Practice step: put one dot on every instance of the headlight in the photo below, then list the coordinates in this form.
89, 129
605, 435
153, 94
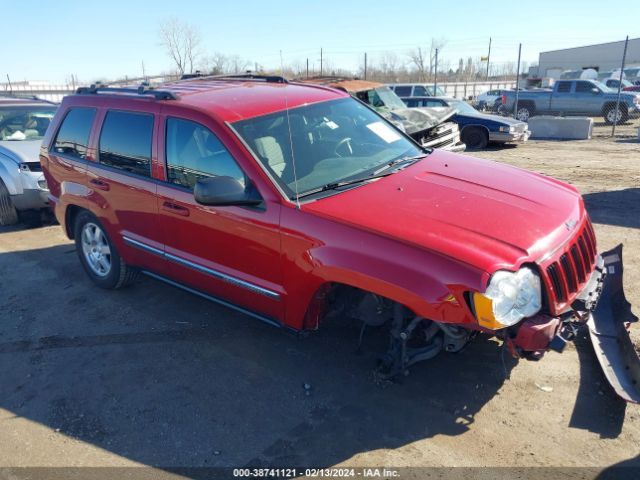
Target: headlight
508, 129
24, 167
509, 298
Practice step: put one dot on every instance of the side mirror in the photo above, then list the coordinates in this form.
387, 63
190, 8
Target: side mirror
595, 90
225, 191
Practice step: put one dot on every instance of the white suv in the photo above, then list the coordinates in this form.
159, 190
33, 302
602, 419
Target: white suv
23, 123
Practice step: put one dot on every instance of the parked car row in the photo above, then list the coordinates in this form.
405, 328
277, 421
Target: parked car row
430, 128
477, 129
574, 97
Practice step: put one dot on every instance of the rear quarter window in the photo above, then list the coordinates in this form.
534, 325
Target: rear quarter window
125, 141
73, 137
403, 91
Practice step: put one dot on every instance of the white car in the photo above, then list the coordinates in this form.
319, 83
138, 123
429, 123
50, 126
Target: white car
487, 100
23, 124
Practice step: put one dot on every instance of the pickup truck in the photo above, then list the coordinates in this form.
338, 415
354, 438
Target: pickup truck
574, 97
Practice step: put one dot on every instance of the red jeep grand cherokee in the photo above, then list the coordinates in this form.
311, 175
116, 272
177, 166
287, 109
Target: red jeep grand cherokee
290, 202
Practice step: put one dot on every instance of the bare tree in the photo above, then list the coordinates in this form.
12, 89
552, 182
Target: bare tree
237, 64
215, 64
181, 40
436, 44
418, 59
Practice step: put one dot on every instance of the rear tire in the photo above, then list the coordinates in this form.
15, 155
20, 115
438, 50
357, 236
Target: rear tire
475, 138
99, 256
525, 111
8, 212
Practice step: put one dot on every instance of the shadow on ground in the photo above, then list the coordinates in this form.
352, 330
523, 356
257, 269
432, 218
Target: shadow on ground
617, 207
166, 379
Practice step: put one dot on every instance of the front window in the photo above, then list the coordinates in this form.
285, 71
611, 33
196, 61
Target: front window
464, 108
25, 122
323, 143
381, 98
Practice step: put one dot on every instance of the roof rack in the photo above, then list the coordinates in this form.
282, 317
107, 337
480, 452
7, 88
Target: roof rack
235, 76
142, 90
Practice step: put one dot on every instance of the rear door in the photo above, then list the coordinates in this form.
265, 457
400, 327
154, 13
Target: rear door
124, 192
231, 253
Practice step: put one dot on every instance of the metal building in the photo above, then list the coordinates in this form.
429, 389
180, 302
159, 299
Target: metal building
601, 57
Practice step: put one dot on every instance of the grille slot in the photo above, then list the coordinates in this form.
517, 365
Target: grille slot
554, 275
568, 273
577, 262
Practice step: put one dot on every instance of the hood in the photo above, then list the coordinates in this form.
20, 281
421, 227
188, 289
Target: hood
418, 119
493, 118
21, 150
486, 214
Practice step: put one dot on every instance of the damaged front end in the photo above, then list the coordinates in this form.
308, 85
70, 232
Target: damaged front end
429, 127
602, 307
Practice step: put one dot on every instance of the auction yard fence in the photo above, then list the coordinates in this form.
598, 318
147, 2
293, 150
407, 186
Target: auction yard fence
55, 93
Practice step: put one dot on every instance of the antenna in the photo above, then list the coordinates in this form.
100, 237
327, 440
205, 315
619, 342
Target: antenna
293, 157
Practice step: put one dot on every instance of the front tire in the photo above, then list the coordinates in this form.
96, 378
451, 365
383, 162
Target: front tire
475, 138
8, 212
98, 255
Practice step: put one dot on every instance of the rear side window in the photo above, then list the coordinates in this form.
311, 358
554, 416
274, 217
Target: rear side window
125, 141
194, 152
73, 136
403, 91
420, 91
564, 87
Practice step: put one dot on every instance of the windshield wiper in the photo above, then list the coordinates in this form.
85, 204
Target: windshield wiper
336, 185
395, 162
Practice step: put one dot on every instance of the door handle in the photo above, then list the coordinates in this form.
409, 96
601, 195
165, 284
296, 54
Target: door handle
99, 184
176, 209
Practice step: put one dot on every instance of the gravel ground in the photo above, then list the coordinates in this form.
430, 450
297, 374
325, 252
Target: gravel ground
152, 376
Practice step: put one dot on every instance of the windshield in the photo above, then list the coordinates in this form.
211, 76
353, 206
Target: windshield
331, 142
25, 122
382, 99
463, 108
602, 86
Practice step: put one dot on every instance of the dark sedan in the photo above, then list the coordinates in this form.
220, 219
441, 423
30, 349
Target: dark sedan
477, 129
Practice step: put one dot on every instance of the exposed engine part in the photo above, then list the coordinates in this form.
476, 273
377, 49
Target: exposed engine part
402, 353
455, 338
371, 310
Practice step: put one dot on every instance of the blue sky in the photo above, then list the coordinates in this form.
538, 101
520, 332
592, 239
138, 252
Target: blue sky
102, 40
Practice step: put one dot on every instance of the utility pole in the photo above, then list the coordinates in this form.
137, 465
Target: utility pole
307, 67
515, 105
488, 59
320, 61
365, 65
624, 59
435, 76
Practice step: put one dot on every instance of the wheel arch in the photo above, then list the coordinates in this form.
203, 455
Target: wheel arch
419, 290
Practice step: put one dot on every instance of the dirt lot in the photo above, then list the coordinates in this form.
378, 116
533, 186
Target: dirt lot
154, 376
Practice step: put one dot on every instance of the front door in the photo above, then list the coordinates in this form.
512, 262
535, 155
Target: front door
231, 253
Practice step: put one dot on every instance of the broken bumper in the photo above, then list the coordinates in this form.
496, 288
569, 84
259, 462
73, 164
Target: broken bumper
608, 328
504, 137
603, 306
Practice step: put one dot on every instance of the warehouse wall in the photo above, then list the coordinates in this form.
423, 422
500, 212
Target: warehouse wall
602, 57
